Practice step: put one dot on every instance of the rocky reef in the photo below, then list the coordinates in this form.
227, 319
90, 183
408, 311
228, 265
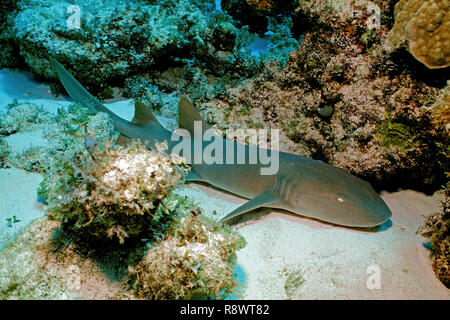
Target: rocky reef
361, 85
254, 13
441, 109
9, 50
119, 39
4, 154
113, 193
45, 262
347, 97
147, 48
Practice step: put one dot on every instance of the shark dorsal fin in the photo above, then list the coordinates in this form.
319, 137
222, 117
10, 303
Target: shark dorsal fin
187, 114
142, 115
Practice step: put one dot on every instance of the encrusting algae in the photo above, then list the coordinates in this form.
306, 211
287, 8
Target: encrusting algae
198, 258
335, 76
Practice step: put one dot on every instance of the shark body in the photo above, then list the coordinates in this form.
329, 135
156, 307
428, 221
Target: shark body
303, 186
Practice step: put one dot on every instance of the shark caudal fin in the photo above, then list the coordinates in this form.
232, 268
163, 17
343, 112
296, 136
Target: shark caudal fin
76, 91
187, 115
143, 117
79, 94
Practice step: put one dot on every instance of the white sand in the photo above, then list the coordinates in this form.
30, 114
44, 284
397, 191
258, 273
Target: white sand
17, 198
332, 260
20, 142
21, 85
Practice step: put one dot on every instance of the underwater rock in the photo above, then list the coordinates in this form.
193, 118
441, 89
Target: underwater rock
95, 192
32, 159
113, 192
441, 109
224, 36
22, 126
23, 117
167, 48
9, 50
195, 261
45, 262
39, 136
4, 154
424, 27
115, 41
112, 41
37, 266
325, 111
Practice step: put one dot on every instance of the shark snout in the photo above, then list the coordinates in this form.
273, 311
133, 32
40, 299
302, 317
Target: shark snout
383, 212
377, 213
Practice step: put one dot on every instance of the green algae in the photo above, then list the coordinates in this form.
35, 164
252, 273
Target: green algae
294, 280
5, 151
392, 133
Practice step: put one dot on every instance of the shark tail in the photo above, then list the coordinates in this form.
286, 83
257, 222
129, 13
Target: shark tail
76, 91
143, 117
79, 94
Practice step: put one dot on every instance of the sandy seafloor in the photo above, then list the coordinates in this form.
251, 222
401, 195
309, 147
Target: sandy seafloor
334, 261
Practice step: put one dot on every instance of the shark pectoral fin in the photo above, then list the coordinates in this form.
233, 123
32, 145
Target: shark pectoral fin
193, 176
264, 199
122, 140
187, 115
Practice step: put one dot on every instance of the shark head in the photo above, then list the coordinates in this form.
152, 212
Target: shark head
343, 200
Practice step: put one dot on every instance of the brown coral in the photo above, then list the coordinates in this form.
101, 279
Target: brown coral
425, 25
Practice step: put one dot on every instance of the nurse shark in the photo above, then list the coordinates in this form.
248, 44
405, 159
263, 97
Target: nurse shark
301, 185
